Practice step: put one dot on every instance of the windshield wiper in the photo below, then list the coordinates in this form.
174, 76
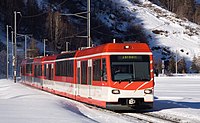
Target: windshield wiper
130, 80
133, 79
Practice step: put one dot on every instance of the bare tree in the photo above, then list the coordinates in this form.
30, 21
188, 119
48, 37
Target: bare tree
32, 51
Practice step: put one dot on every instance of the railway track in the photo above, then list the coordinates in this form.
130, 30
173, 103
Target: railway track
153, 117
144, 117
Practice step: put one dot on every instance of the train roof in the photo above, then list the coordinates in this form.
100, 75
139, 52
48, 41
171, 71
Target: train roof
49, 58
38, 59
109, 47
116, 47
66, 55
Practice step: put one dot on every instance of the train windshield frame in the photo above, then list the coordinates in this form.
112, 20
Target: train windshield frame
130, 68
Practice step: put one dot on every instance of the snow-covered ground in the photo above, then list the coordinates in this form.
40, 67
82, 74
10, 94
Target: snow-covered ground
175, 98
178, 97
22, 104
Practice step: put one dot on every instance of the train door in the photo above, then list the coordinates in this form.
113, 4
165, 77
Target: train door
78, 78
89, 77
49, 71
52, 73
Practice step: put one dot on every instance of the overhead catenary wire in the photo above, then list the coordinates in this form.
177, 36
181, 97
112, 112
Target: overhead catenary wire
31, 16
75, 35
36, 15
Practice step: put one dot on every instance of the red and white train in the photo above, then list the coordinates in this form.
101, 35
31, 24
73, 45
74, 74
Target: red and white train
116, 76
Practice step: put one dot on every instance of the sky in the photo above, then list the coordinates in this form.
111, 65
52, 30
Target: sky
175, 98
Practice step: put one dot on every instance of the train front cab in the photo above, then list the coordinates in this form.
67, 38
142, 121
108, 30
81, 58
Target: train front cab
97, 83
131, 82
130, 77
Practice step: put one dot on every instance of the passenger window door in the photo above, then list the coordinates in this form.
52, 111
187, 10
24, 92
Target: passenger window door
104, 70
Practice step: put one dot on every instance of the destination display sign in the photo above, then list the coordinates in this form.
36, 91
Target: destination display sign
130, 58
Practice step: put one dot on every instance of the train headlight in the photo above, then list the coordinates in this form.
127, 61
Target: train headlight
148, 91
116, 91
127, 47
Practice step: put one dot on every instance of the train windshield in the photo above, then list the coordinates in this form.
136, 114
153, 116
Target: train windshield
130, 68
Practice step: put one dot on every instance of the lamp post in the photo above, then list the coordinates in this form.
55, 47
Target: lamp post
15, 44
7, 61
88, 23
25, 54
12, 65
7, 51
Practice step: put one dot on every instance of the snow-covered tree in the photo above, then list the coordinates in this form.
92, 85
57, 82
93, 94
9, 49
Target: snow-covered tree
182, 66
32, 51
194, 65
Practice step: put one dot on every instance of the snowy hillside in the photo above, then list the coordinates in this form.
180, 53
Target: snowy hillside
169, 31
166, 32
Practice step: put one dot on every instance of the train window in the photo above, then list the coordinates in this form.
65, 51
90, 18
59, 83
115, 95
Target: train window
96, 70
70, 68
89, 75
65, 68
39, 70
45, 67
84, 72
35, 71
130, 67
29, 68
49, 71
57, 69
22, 70
51, 77
79, 78
104, 72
